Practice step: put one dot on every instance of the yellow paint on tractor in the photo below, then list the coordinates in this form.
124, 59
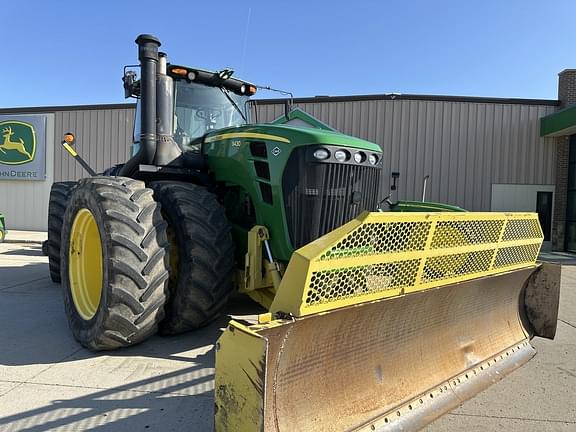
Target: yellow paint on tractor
250, 355
381, 255
85, 264
385, 324
69, 148
247, 135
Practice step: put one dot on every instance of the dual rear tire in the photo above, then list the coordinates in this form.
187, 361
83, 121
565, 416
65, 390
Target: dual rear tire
119, 286
201, 255
59, 196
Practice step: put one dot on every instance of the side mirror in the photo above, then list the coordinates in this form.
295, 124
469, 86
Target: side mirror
131, 84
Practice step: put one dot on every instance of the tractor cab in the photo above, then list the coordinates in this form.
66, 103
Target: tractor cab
199, 102
200, 109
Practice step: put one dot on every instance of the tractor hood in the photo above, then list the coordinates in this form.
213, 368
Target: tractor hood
290, 135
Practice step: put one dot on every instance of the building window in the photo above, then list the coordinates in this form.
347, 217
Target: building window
544, 210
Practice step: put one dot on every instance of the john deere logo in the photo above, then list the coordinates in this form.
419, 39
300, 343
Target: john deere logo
18, 143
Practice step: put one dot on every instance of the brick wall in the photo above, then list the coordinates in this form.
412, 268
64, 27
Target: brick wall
567, 97
559, 227
567, 87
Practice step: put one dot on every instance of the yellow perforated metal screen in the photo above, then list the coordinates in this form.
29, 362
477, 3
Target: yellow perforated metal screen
381, 255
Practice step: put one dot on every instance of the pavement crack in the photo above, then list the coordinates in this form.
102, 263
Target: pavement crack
514, 418
151, 392
22, 283
10, 389
572, 374
21, 383
567, 323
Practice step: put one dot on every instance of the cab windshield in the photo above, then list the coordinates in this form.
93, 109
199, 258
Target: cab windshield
201, 109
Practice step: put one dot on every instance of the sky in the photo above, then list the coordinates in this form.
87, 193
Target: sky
72, 52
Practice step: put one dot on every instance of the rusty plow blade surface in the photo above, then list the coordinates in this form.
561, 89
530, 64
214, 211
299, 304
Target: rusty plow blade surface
393, 363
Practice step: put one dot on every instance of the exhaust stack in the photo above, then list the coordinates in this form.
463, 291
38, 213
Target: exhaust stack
157, 145
148, 56
167, 151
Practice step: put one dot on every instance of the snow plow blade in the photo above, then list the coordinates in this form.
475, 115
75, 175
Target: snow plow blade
387, 323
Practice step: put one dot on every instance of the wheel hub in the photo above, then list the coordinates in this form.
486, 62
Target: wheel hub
85, 264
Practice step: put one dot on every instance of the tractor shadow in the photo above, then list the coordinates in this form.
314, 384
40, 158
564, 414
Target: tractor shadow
49, 382
31, 249
178, 400
163, 384
35, 331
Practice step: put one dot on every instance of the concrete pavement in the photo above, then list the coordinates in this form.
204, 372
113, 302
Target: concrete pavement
540, 396
18, 236
47, 382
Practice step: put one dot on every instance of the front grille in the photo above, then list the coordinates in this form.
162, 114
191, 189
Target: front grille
319, 196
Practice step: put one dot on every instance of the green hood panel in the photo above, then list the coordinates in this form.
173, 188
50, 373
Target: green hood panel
295, 136
233, 165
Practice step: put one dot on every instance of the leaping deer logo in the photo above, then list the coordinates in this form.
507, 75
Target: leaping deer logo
8, 144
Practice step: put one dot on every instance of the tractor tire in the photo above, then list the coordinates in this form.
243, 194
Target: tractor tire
201, 255
114, 263
58, 201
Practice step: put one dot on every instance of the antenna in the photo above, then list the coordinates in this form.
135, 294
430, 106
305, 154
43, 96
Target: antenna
287, 104
245, 42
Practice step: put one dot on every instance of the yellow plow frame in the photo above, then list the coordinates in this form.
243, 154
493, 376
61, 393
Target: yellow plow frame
388, 322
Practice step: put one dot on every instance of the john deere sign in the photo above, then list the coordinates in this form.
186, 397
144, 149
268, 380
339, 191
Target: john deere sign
23, 147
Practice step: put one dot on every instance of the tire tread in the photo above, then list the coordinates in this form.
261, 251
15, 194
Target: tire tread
206, 255
136, 267
59, 195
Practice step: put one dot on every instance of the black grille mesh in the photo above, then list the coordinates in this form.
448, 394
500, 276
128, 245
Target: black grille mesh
320, 197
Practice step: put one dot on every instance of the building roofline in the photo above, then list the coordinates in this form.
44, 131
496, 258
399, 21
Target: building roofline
353, 98
51, 109
397, 96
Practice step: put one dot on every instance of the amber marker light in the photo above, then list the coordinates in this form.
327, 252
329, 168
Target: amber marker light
69, 138
248, 89
179, 71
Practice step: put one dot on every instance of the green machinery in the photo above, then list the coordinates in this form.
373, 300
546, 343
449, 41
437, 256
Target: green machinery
357, 295
2, 228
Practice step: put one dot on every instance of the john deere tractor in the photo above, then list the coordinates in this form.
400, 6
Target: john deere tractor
377, 319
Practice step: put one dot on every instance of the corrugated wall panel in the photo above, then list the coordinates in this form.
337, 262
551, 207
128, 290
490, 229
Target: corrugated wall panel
103, 138
465, 147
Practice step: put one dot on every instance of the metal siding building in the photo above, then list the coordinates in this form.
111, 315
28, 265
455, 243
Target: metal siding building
466, 145
103, 135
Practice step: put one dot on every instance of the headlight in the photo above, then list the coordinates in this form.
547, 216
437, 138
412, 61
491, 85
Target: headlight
340, 155
359, 157
321, 154
372, 159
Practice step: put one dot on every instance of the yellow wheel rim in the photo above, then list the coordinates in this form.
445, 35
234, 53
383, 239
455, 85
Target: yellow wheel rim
85, 264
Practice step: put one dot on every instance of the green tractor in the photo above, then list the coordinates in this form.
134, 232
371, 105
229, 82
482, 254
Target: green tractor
210, 203
2, 228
